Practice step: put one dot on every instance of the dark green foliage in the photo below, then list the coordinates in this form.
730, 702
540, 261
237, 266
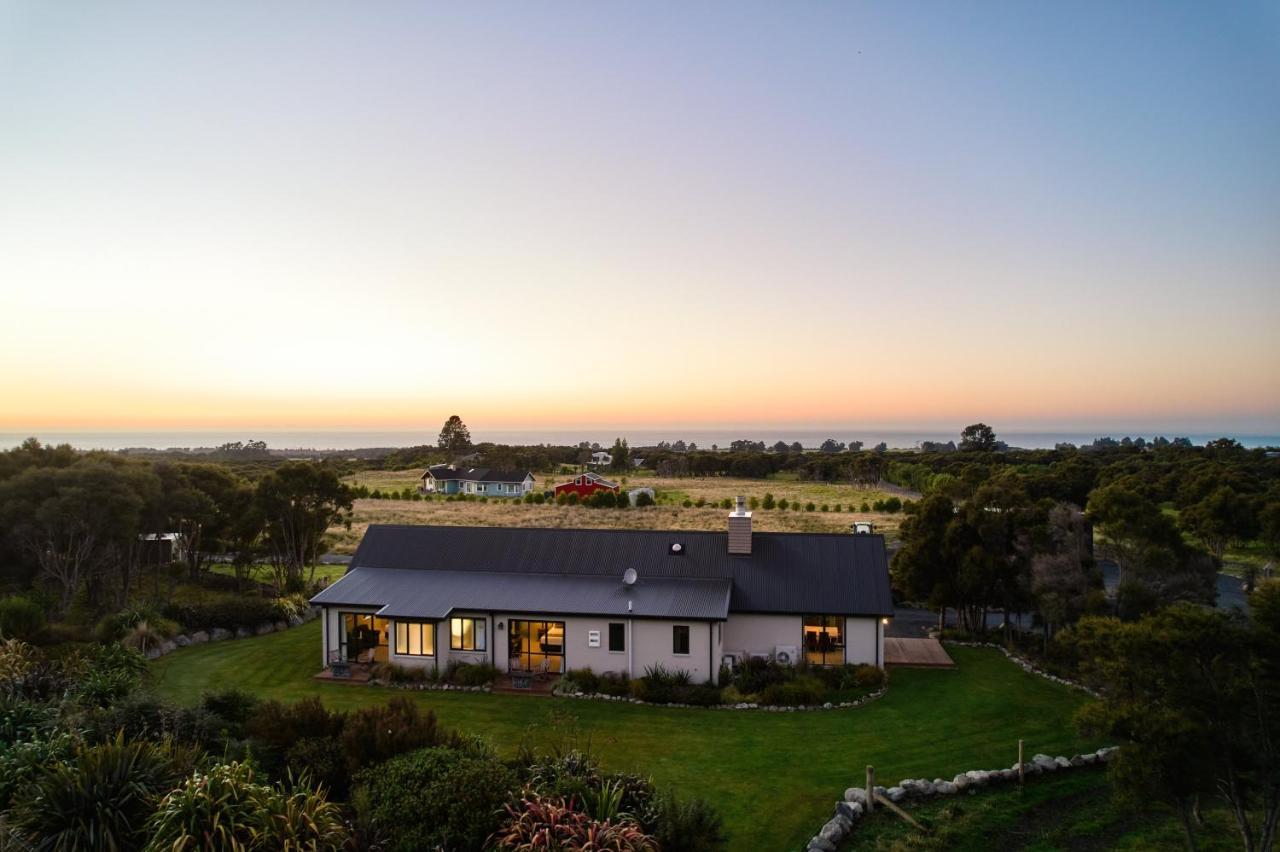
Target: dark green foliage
229, 613
689, 825
374, 734
644, 498
810, 507
435, 797
470, 674
20, 618
805, 689
767, 503
113, 671
664, 686
101, 799
233, 705
455, 437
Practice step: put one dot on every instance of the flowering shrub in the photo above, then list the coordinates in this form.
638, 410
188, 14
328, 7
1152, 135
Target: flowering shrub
538, 823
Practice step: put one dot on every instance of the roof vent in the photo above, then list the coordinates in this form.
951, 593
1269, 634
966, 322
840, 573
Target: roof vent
629, 577
676, 549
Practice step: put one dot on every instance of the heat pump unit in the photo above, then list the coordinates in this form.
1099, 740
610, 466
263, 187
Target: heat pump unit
729, 661
788, 655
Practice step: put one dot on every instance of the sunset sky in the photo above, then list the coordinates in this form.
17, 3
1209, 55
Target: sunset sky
245, 214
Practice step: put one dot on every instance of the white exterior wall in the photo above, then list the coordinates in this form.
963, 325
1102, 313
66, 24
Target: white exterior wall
652, 643
864, 641
758, 635
415, 661
330, 627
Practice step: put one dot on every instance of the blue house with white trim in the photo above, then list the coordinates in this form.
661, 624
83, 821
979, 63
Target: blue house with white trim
481, 481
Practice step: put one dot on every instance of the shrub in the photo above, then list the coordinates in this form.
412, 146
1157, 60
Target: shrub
644, 498
554, 823
101, 799
726, 503
809, 507
396, 673
375, 734
141, 716
233, 705
322, 760
700, 502
20, 618
865, 507
768, 501
805, 689
892, 505
22, 762
752, 676
540, 498
825, 508
113, 671
434, 797
687, 503
230, 613
754, 503
470, 674
573, 499
226, 809
685, 826
584, 679
783, 504
837, 508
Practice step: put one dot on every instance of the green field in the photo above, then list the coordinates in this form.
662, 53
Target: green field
773, 776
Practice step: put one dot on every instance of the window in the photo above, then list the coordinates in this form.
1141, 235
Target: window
680, 639
481, 487
466, 634
416, 638
824, 640
617, 637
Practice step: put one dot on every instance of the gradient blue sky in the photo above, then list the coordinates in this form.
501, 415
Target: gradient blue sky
372, 215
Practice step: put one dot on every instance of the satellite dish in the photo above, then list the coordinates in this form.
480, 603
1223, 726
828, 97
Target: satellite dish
629, 577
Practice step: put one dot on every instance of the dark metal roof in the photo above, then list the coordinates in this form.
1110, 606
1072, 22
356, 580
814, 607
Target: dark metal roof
785, 572
435, 594
477, 474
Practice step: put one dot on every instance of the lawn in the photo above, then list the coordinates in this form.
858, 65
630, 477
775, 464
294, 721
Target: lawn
1071, 810
774, 777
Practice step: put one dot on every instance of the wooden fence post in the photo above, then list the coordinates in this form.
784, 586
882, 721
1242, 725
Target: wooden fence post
1021, 772
871, 788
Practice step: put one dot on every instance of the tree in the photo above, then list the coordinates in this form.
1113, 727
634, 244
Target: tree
978, 436
797, 447
1269, 527
1191, 693
620, 455
882, 447
780, 447
455, 437
297, 503
922, 568
1223, 517
201, 503
831, 445
855, 446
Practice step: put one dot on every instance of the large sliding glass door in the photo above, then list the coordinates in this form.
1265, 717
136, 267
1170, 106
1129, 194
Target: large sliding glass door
536, 646
362, 637
824, 640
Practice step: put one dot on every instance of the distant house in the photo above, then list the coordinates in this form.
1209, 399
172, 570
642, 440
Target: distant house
161, 548
586, 484
601, 459
484, 481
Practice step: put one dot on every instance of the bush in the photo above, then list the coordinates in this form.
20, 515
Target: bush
229, 613
685, 826
687, 503
379, 733
865, 507
226, 809
274, 727
805, 689
434, 797
22, 762
700, 502
233, 705
783, 505
825, 508
893, 505
584, 679
470, 674
101, 799
540, 498
809, 507
644, 498
754, 503
768, 501
112, 672
554, 823
726, 503
753, 676
396, 673
20, 618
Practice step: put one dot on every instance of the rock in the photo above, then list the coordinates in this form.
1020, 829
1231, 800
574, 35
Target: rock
978, 776
281, 625
925, 788
264, 628
1090, 758
168, 646
243, 633
1062, 762
821, 844
851, 810
880, 791
217, 634
181, 640
296, 620
961, 781
154, 653
833, 832
1078, 760
199, 637
826, 706
946, 788
1045, 763
856, 794
896, 794
1107, 753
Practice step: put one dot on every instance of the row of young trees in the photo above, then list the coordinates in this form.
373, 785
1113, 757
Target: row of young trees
85, 526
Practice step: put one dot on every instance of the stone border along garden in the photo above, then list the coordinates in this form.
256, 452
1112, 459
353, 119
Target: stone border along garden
742, 705
219, 634
854, 804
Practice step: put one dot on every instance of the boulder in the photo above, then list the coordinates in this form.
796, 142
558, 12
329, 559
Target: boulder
1062, 762
978, 776
281, 625
296, 620
154, 653
168, 646
243, 633
961, 781
1045, 763
264, 628
217, 634
833, 832
1077, 760
851, 810
896, 794
199, 637
946, 788
182, 640
856, 794
1107, 753
1090, 758
821, 844
925, 788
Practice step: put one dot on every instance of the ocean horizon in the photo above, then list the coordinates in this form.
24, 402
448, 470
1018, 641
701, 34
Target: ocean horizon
355, 439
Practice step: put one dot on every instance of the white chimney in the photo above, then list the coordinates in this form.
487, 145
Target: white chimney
740, 529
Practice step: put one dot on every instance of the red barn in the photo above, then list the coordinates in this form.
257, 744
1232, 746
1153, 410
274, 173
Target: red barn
586, 484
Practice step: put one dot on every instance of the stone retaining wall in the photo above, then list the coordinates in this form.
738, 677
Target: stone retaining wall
853, 806
220, 634
742, 705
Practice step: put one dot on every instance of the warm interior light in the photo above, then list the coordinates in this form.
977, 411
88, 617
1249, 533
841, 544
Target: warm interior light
884, 620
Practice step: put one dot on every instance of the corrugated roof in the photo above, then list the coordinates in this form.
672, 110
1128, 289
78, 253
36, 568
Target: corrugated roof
785, 572
477, 474
435, 594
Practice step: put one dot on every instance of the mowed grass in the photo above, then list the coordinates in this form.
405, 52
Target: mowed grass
773, 776
669, 515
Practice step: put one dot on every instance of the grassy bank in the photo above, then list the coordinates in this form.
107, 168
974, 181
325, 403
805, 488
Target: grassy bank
773, 776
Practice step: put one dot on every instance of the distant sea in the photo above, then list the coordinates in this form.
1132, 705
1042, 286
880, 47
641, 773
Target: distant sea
703, 437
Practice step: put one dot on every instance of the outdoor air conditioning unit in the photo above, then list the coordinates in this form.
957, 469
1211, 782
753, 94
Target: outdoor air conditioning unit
788, 655
729, 661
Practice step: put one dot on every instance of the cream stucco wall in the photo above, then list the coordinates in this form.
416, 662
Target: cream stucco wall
758, 635
653, 640
864, 641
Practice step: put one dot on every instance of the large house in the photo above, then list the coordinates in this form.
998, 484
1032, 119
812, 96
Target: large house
586, 484
547, 600
485, 481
